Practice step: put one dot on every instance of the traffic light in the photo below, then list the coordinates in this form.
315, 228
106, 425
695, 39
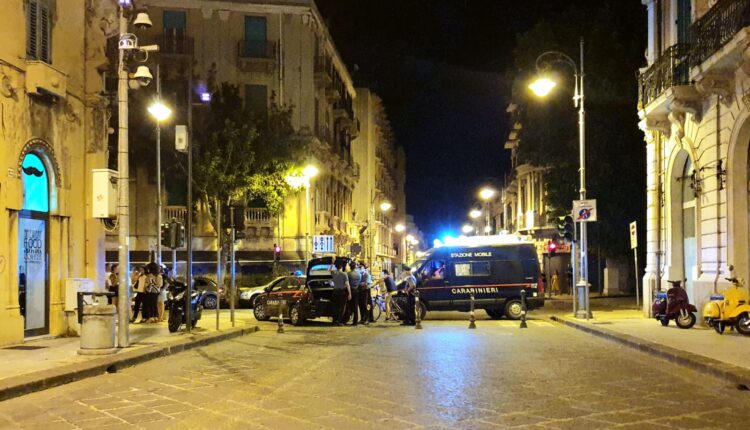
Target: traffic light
180, 234
166, 235
565, 228
551, 248
276, 253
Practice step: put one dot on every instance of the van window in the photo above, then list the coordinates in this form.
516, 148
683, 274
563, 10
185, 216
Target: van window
472, 268
434, 269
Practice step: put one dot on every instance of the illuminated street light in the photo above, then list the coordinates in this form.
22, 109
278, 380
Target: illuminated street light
467, 228
385, 206
542, 86
487, 229
310, 171
486, 193
400, 228
159, 111
475, 213
409, 238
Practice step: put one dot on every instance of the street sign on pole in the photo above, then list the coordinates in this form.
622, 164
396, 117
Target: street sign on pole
634, 247
323, 244
584, 210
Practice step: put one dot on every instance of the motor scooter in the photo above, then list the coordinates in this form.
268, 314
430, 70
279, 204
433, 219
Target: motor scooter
176, 306
674, 305
731, 308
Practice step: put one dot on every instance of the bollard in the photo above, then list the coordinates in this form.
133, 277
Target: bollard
523, 309
281, 319
472, 318
417, 313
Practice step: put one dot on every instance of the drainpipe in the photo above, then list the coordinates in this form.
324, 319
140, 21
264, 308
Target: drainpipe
718, 195
659, 199
281, 59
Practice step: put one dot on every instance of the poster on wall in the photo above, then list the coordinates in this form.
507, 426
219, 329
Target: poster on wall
32, 258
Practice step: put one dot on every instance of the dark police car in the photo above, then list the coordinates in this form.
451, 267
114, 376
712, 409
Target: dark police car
494, 269
300, 299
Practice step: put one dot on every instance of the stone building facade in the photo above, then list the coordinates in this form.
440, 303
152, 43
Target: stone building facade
695, 114
274, 50
53, 132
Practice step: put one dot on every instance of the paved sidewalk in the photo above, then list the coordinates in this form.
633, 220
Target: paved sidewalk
46, 362
700, 348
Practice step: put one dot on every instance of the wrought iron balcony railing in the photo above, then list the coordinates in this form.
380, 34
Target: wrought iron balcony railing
717, 27
261, 49
671, 69
173, 44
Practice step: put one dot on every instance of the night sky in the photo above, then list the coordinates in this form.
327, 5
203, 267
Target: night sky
440, 67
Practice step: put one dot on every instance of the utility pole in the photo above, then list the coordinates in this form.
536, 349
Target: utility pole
158, 168
123, 192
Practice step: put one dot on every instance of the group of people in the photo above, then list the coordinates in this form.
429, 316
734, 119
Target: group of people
150, 288
352, 296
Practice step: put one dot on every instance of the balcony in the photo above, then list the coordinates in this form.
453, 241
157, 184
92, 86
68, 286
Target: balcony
174, 46
323, 71
258, 56
258, 216
717, 27
325, 135
670, 70
179, 213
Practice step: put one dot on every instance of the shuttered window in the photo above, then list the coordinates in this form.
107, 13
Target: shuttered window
39, 30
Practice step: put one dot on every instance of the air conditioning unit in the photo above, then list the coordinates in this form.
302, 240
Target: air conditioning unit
43, 79
104, 198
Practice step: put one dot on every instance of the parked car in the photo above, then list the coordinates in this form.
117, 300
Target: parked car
300, 298
213, 292
248, 296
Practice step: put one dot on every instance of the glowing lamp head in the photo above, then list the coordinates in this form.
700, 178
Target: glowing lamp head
487, 229
385, 206
414, 241
310, 171
400, 228
160, 111
542, 86
486, 193
475, 213
409, 238
206, 97
125, 3
466, 229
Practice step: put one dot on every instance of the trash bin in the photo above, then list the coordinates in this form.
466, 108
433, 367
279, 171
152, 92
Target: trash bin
98, 330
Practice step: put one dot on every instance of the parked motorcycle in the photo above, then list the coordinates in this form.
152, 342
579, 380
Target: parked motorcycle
176, 306
729, 309
674, 305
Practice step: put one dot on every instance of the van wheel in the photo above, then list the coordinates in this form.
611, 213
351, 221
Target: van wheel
495, 314
513, 309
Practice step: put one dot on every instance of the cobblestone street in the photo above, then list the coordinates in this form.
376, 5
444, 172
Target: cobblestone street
392, 377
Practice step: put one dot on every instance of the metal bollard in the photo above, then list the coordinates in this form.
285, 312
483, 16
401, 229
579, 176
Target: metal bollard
523, 309
472, 318
281, 319
417, 313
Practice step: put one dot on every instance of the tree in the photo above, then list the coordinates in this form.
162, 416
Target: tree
241, 155
615, 153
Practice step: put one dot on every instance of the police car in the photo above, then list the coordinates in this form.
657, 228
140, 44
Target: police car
494, 269
301, 299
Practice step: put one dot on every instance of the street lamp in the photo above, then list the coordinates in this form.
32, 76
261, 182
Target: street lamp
467, 228
400, 228
486, 194
386, 206
160, 112
475, 213
543, 62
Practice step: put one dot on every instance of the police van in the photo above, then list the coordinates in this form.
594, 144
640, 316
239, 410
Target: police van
493, 268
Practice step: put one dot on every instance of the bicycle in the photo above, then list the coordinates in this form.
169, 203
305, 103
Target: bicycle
378, 307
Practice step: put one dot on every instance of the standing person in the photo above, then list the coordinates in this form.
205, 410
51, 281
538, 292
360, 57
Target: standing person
341, 294
113, 283
390, 288
365, 297
153, 286
411, 287
139, 287
355, 277
556, 283
162, 297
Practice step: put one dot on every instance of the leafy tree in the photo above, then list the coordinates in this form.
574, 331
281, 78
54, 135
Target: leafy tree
615, 152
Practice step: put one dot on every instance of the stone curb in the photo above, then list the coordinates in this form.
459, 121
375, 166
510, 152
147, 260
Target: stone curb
728, 372
37, 381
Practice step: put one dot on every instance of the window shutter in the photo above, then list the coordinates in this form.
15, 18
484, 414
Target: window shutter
45, 33
31, 29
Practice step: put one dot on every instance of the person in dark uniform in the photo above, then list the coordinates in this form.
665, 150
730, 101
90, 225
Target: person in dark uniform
411, 287
341, 294
352, 305
365, 298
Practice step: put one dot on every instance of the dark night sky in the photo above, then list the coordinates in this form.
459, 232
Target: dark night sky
439, 66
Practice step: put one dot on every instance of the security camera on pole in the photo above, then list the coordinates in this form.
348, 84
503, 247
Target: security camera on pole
128, 52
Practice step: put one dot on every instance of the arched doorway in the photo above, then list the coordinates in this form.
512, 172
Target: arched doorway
684, 249
33, 249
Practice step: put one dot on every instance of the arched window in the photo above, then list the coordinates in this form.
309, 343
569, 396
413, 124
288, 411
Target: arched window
35, 184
